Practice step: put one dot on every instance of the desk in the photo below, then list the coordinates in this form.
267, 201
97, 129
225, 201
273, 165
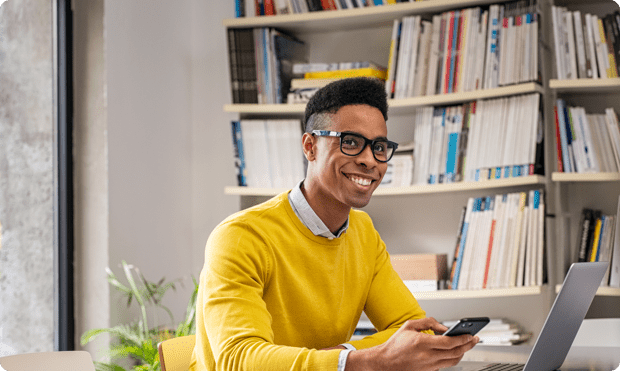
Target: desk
579, 357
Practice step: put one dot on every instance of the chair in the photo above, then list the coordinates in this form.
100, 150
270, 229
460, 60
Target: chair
175, 354
49, 361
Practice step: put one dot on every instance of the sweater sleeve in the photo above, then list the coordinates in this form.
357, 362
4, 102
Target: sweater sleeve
237, 323
389, 304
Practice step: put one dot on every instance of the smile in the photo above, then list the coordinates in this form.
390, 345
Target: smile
359, 180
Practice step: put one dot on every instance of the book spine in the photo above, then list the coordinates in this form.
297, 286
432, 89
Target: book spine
238, 153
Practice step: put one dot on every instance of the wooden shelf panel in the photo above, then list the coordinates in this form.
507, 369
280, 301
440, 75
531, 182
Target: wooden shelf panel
585, 177
476, 294
348, 19
397, 105
412, 190
585, 85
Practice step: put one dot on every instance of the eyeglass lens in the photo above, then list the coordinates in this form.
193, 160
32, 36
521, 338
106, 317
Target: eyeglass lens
353, 145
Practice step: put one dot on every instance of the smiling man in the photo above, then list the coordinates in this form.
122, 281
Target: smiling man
285, 282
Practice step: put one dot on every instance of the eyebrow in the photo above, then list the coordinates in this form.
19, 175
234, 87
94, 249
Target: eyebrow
361, 135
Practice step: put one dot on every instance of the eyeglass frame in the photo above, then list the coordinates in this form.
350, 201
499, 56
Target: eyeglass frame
338, 134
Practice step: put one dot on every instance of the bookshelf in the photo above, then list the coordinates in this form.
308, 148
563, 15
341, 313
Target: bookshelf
576, 191
412, 190
410, 213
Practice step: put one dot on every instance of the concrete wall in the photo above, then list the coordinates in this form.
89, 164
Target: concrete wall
26, 177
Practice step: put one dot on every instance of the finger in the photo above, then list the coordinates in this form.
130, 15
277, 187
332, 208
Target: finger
453, 342
428, 323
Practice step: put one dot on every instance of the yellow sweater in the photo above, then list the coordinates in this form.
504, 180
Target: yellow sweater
272, 293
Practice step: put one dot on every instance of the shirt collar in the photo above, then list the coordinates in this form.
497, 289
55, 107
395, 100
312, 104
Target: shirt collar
308, 217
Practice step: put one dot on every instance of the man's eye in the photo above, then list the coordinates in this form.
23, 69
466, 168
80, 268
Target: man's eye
351, 142
380, 147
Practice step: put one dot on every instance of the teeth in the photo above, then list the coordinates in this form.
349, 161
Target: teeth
360, 181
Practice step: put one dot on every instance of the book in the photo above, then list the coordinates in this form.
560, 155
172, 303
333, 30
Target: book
420, 266
377, 72
239, 158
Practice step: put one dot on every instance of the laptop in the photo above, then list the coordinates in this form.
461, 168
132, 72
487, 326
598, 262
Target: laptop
562, 323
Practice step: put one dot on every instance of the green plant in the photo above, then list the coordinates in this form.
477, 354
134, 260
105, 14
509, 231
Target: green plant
137, 340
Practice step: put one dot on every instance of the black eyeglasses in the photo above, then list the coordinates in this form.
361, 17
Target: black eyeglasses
352, 144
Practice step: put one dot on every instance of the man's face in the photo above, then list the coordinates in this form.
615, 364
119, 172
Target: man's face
350, 180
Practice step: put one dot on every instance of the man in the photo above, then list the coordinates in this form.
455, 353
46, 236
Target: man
285, 282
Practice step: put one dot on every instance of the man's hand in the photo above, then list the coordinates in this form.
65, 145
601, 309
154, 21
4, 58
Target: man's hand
410, 349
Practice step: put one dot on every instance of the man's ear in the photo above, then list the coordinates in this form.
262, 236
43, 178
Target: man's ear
309, 146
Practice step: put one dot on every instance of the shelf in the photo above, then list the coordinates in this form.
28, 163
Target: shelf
348, 19
585, 85
602, 291
418, 189
585, 177
397, 105
477, 294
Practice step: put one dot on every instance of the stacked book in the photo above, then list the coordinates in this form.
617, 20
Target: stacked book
586, 143
499, 331
464, 50
599, 241
249, 8
268, 153
421, 272
310, 77
400, 168
500, 242
261, 63
586, 46
486, 139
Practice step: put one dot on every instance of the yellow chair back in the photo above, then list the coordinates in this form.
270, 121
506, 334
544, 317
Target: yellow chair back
175, 354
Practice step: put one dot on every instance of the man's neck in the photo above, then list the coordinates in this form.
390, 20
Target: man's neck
333, 214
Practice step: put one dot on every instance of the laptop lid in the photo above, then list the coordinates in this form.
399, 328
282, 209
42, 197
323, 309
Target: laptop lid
565, 317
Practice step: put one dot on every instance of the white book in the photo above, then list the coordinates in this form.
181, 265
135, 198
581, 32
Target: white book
527, 44
445, 54
607, 148
412, 79
591, 44
598, 142
558, 36
404, 55
525, 230
516, 243
434, 57
485, 243
579, 149
421, 285
437, 145
513, 49
516, 62
491, 45
470, 243
486, 109
601, 55
509, 143
534, 65
508, 241
461, 50
257, 154
505, 45
591, 155
282, 7
480, 48
614, 273
421, 71
613, 128
472, 143
571, 45
498, 219
530, 259
537, 126
540, 245
276, 145
580, 46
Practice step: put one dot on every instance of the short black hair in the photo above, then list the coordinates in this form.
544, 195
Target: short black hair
345, 92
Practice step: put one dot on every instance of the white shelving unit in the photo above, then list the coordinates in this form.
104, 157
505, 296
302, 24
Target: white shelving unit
403, 217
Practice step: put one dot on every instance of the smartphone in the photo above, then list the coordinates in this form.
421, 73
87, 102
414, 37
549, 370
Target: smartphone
469, 326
